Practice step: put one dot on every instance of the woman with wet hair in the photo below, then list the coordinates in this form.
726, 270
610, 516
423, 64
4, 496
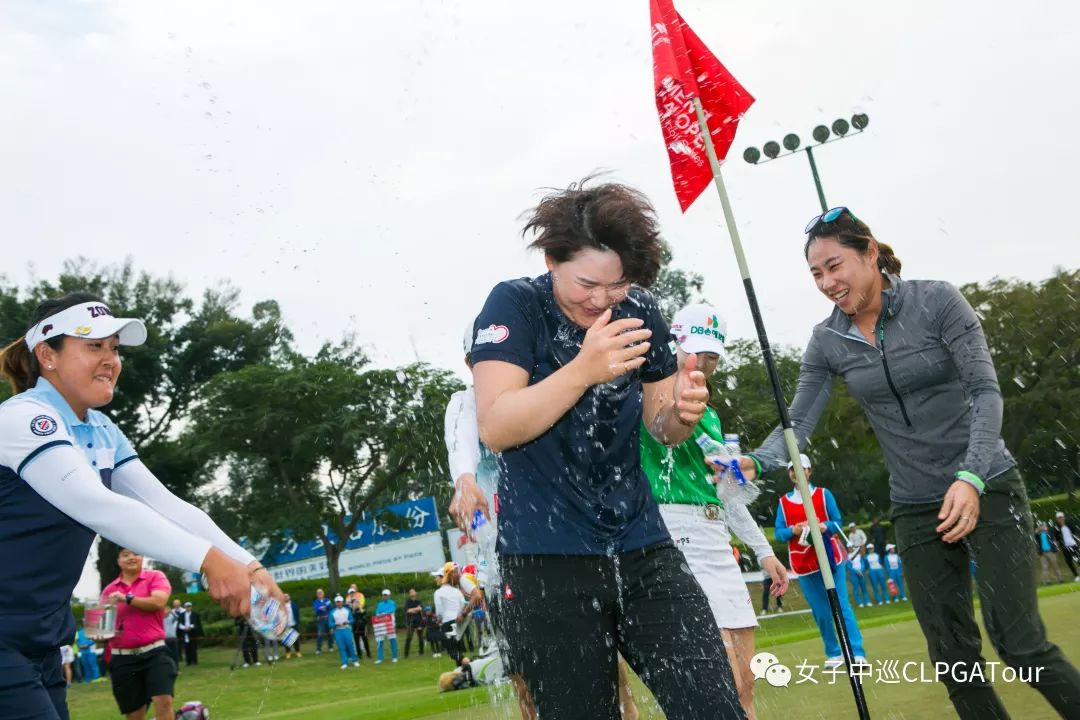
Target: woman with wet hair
67, 474
567, 366
913, 354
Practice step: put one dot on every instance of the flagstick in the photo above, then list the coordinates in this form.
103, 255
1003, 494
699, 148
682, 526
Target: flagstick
785, 419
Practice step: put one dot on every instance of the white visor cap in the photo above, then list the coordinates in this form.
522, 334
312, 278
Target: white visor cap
91, 320
699, 328
467, 343
803, 460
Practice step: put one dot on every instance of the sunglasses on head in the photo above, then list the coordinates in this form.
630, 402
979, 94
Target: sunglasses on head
827, 217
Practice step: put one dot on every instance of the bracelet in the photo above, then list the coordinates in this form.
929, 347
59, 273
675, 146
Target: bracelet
257, 568
973, 479
757, 463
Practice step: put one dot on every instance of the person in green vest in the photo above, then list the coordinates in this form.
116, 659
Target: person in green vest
683, 484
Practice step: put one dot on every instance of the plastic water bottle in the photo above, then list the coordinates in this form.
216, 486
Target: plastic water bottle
486, 535
270, 618
733, 488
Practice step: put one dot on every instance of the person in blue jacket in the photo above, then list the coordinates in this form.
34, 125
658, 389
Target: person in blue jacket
386, 606
341, 620
322, 607
87, 656
875, 573
894, 568
858, 577
791, 528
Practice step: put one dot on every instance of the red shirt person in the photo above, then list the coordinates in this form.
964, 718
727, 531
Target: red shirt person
141, 668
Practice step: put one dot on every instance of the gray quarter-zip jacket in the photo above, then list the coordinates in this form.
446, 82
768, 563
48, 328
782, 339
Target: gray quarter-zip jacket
928, 388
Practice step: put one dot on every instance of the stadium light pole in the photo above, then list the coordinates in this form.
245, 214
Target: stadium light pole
822, 134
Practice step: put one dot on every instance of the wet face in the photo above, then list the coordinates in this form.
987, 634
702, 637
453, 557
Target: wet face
588, 284
130, 561
850, 280
706, 361
83, 370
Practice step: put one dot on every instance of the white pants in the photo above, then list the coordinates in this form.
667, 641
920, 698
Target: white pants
706, 545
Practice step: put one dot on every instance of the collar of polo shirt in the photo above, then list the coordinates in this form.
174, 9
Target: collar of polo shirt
92, 320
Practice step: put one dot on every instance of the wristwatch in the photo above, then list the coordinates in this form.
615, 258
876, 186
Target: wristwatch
128, 598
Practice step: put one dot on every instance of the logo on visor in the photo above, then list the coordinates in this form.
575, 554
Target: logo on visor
45, 330
492, 334
43, 425
98, 311
83, 330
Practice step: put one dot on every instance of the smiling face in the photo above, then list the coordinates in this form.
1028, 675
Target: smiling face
848, 278
588, 284
130, 561
83, 370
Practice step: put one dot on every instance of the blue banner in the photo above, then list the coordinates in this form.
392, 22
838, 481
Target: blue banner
415, 517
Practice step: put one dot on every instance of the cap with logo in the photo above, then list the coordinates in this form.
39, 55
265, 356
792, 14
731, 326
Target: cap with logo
91, 320
385, 592
803, 460
699, 328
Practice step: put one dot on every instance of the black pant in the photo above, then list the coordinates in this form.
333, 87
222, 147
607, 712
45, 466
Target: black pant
1070, 557
766, 588
452, 643
173, 646
938, 577
409, 632
644, 604
137, 679
191, 648
359, 634
250, 647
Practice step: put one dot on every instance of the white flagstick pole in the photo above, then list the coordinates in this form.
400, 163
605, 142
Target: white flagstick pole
785, 420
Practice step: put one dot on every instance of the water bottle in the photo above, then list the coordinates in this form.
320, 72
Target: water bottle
270, 618
486, 535
733, 487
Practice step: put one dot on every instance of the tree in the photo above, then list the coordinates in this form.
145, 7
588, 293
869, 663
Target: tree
312, 444
675, 289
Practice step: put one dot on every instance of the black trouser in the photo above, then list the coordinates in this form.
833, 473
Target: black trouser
452, 643
250, 646
360, 636
644, 604
938, 576
173, 646
191, 649
409, 632
1070, 558
766, 588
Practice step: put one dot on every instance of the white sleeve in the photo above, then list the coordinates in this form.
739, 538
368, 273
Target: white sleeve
440, 604
742, 524
135, 480
63, 478
461, 434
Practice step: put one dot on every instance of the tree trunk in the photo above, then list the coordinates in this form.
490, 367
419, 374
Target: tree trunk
333, 554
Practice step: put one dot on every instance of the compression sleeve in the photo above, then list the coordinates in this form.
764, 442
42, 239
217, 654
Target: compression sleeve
461, 434
742, 524
134, 480
64, 479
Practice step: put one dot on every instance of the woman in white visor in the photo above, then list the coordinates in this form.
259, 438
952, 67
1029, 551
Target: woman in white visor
67, 474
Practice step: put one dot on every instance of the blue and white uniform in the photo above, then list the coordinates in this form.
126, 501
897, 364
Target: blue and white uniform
63, 480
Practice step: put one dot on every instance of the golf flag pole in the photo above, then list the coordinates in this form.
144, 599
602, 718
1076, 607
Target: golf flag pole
785, 419
691, 83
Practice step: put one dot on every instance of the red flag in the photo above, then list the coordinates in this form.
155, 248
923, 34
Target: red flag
683, 68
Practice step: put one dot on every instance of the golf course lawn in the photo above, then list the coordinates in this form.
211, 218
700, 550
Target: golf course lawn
315, 686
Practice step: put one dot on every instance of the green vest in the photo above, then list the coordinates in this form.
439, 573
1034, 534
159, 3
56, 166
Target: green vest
679, 475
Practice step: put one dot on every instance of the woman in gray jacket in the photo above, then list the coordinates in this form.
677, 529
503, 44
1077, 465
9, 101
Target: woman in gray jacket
913, 354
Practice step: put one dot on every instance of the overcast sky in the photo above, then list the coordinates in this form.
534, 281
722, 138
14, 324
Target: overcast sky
367, 164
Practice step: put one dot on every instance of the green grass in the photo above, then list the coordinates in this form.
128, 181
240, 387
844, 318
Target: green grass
315, 686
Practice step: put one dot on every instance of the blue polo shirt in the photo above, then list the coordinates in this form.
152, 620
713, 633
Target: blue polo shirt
578, 489
43, 549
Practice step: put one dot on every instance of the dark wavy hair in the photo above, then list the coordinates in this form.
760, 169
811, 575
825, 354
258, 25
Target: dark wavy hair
17, 363
852, 232
608, 216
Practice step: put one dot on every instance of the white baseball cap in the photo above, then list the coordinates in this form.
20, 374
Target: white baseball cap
338, 598
91, 320
385, 592
889, 546
803, 460
699, 328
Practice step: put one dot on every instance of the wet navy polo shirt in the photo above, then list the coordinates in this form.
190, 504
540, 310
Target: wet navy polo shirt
42, 550
578, 489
